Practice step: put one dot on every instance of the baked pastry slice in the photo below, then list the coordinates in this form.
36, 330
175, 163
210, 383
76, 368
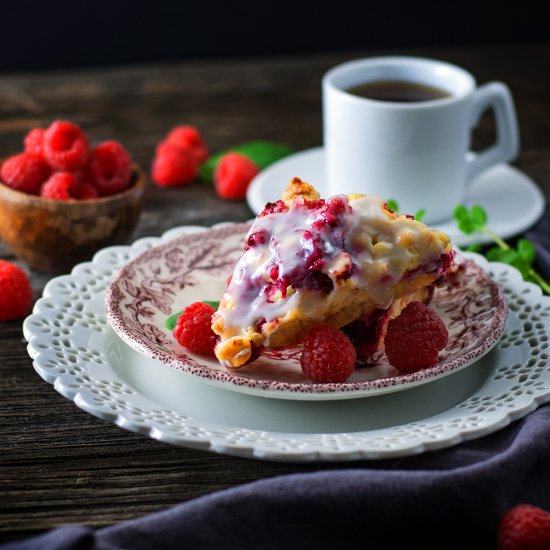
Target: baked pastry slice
308, 261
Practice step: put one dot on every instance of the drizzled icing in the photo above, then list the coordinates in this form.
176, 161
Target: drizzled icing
296, 256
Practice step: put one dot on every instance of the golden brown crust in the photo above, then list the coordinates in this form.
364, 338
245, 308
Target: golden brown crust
298, 188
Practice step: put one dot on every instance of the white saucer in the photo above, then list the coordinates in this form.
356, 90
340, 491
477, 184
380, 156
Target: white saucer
512, 200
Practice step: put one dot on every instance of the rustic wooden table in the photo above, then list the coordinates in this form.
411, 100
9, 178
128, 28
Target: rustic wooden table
58, 464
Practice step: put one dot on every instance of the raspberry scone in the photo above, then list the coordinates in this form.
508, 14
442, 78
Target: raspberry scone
309, 261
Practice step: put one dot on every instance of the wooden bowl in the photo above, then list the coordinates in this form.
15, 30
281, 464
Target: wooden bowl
53, 236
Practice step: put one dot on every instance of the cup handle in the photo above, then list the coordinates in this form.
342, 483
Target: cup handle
496, 96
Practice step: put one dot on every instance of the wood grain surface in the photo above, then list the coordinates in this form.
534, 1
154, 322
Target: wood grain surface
61, 465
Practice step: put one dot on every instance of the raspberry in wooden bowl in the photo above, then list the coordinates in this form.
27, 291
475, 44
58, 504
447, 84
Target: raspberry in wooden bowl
62, 199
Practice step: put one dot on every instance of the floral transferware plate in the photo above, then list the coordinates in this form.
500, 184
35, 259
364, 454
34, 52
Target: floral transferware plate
74, 349
165, 279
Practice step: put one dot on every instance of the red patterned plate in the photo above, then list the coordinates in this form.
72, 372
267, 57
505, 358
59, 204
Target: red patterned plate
195, 267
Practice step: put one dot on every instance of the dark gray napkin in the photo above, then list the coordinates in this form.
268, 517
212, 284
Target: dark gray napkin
448, 499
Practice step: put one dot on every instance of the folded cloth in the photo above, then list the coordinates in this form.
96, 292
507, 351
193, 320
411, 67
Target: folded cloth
452, 498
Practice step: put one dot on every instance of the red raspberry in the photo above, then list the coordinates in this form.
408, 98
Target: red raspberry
524, 527
233, 175
415, 338
188, 137
34, 142
173, 166
65, 146
193, 329
328, 355
61, 186
86, 191
25, 172
15, 292
110, 168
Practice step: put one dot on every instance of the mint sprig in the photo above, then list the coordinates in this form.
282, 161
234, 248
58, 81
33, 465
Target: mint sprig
522, 257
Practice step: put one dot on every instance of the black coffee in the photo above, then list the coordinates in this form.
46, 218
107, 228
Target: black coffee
398, 91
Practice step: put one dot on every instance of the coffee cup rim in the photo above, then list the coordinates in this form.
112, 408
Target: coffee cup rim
344, 68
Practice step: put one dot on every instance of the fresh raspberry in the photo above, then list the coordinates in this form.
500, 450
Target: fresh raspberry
34, 141
233, 175
193, 329
15, 292
65, 146
328, 355
25, 172
188, 137
86, 191
173, 166
110, 168
524, 527
61, 186
415, 338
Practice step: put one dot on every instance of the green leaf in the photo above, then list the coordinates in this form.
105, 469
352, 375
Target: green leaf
419, 216
526, 249
478, 215
261, 153
460, 212
213, 305
474, 248
171, 322
392, 205
510, 257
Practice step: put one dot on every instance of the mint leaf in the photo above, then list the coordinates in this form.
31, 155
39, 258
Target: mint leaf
478, 216
460, 212
171, 322
392, 205
474, 248
420, 214
213, 305
526, 249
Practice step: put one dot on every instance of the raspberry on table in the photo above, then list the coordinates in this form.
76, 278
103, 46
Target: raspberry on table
110, 168
188, 137
233, 175
328, 355
415, 338
193, 329
524, 527
34, 142
173, 166
15, 292
25, 172
65, 146
61, 186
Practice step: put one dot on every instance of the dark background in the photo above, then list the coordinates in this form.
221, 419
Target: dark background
44, 35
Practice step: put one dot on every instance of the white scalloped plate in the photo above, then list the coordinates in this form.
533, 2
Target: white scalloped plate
74, 348
167, 278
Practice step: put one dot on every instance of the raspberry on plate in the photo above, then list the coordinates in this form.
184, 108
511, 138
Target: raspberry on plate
415, 338
110, 168
524, 527
173, 166
193, 329
60, 186
233, 176
189, 138
15, 292
65, 146
328, 355
25, 172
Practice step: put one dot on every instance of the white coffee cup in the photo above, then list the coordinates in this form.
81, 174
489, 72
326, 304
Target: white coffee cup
416, 153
